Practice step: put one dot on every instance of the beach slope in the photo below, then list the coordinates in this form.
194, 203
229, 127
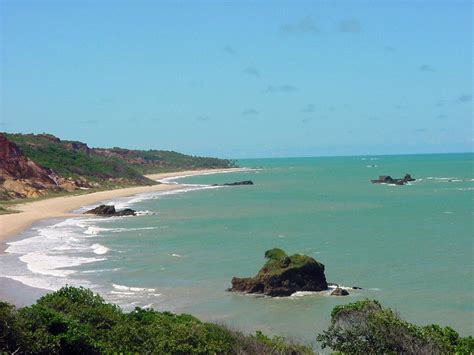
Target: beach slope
31, 212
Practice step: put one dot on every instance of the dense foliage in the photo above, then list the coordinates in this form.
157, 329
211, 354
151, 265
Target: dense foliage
365, 327
74, 159
76, 321
156, 161
279, 261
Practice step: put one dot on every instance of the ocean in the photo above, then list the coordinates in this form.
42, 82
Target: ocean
410, 247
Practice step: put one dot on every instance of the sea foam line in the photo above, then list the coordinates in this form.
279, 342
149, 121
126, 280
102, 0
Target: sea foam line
47, 258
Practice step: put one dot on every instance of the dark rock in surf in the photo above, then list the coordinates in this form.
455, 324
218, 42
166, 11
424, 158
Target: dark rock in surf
109, 210
237, 183
126, 212
339, 292
283, 275
387, 179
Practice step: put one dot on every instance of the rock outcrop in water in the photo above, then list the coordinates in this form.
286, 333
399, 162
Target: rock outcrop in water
237, 183
339, 292
387, 179
283, 275
109, 210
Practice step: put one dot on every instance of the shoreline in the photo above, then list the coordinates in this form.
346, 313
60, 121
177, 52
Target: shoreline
33, 213
62, 207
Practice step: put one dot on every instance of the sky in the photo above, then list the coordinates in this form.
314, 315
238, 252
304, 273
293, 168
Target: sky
241, 79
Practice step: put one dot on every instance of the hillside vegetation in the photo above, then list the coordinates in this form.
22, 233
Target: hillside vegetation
35, 165
365, 327
76, 321
76, 158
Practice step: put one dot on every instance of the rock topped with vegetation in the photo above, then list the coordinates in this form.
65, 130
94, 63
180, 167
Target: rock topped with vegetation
283, 275
365, 327
76, 321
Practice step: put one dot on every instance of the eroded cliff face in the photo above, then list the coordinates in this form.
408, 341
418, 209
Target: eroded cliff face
21, 177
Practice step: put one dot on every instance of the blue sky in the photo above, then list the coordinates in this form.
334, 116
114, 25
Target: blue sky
241, 79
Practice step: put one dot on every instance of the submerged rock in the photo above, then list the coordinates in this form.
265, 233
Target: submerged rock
109, 210
340, 292
283, 275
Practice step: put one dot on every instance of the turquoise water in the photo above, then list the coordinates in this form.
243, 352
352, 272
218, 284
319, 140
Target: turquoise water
411, 247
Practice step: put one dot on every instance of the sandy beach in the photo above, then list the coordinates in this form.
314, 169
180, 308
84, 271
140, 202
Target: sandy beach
31, 212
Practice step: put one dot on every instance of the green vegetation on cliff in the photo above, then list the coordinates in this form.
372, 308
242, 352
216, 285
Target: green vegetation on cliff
101, 167
365, 327
73, 159
157, 161
76, 321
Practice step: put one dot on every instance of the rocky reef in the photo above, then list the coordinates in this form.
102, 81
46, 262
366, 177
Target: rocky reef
283, 275
109, 210
237, 183
387, 179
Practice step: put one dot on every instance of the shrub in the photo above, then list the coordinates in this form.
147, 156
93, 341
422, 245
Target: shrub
365, 327
77, 321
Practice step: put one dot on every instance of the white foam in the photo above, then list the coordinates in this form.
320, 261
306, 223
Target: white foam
99, 249
327, 292
100, 270
94, 230
125, 293
54, 265
170, 180
132, 289
175, 255
52, 255
306, 293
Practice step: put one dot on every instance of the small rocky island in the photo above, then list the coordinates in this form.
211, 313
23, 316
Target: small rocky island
109, 211
283, 275
237, 183
387, 179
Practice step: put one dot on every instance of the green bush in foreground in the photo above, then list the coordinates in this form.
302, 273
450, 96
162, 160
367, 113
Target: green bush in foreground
365, 327
76, 321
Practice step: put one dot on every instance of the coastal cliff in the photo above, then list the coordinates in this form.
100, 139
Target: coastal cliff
21, 177
32, 165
